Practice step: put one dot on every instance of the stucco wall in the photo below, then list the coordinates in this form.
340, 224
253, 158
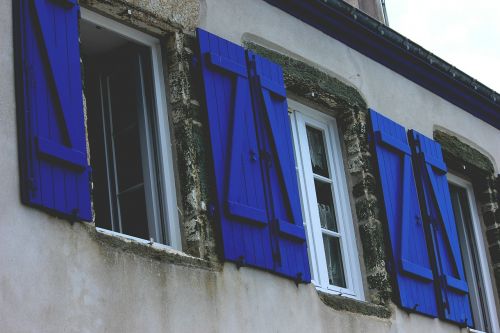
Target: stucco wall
58, 277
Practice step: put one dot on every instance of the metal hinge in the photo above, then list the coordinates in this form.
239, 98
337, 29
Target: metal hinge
31, 186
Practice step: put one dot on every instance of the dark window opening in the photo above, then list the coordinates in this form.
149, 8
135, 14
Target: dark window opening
118, 88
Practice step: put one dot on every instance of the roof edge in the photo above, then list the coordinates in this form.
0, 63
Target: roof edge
382, 44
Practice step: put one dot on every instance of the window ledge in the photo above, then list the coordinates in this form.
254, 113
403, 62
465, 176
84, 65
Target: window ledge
352, 305
143, 248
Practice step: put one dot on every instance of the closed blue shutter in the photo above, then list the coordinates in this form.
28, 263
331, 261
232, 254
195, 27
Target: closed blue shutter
241, 206
411, 265
258, 204
55, 172
276, 136
436, 204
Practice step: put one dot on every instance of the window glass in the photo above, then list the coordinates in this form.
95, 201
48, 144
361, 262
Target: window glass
334, 261
463, 219
317, 151
325, 202
325, 205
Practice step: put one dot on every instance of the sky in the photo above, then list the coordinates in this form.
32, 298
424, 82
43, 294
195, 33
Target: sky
464, 33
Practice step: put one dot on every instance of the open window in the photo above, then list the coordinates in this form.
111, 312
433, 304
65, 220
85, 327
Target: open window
474, 255
133, 185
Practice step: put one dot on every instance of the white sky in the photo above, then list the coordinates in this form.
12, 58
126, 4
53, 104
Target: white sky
464, 33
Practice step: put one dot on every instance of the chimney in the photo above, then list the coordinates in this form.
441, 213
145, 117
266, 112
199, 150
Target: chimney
374, 8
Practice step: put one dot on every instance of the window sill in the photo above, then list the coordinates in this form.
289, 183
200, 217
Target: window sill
143, 248
352, 305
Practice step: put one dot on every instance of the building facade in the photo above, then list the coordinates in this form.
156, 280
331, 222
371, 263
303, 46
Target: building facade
241, 166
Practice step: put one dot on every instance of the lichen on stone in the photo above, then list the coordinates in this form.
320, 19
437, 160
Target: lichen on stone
459, 150
310, 82
346, 304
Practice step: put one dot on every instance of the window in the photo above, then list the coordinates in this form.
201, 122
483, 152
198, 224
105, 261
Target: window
128, 132
327, 215
473, 253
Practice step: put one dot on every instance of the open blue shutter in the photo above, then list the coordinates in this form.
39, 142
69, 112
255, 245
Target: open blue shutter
411, 266
276, 135
258, 204
241, 206
55, 173
436, 203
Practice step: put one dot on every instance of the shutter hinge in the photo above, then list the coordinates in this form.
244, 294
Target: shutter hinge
266, 156
253, 155
195, 63
28, 69
30, 184
240, 262
390, 268
414, 308
211, 210
298, 279
74, 215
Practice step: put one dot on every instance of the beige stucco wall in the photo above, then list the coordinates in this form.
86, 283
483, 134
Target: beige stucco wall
58, 277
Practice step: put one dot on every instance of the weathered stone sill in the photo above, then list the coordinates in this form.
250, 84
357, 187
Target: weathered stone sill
341, 303
162, 253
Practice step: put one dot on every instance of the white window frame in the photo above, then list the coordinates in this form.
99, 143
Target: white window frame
166, 176
301, 116
479, 240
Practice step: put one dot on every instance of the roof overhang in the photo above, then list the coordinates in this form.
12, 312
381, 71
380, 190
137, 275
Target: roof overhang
389, 48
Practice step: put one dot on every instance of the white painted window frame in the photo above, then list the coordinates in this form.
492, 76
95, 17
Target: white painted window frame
479, 239
167, 178
301, 116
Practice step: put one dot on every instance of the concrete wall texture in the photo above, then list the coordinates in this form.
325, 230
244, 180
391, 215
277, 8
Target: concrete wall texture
62, 277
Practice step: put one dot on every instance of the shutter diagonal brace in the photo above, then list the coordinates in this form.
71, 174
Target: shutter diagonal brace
235, 208
407, 265
281, 159
458, 284
44, 145
55, 76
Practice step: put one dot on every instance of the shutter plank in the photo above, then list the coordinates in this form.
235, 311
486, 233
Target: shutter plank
241, 201
431, 177
275, 133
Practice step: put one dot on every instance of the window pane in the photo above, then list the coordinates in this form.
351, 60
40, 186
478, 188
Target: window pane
128, 159
325, 205
123, 95
317, 151
133, 213
334, 261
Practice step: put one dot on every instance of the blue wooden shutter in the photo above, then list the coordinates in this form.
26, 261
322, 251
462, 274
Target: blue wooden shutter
55, 172
411, 265
436, 204
241, 206
289, 240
